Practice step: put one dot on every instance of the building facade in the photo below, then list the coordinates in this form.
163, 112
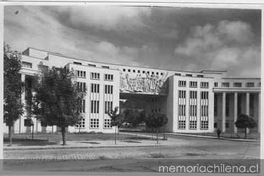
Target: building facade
194, 102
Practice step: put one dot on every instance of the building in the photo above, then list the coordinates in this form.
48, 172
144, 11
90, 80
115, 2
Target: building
194, 102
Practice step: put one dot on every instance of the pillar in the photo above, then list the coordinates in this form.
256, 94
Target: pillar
247, 106
259, 112
21, 119
235, 111
223, 111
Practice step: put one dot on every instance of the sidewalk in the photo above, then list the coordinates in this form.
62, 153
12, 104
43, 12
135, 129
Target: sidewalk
96, 144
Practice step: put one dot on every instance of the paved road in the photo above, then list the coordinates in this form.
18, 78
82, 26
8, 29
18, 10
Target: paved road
94, 159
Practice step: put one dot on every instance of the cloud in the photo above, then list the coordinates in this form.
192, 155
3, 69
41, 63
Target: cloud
101, 17
229, 45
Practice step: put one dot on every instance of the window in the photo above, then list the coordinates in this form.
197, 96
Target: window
161, 73
108, 89
204, 95
95, 75
157, 73
177, 74
227, 125
128, 70
108, 106
204, 125
81, 74
225, 84
26, 64
182, 110
200, 76
204, 84
109, 77
182, 83
216, 84
105, 67
82, 106
95, 88
77, 63
91, 65
193, 94
181, 124
107, 123
138, 71
237, 84
190, 75
182, 94
250, 84
124, 70
215, 125
193, 84
94, 123
193, 125
94, 106
134, 71
81, 123
81, 86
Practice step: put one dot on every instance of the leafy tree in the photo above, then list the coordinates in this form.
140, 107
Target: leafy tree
116, 119
134, 117
245, 121
156, 121
13, 88
57, 99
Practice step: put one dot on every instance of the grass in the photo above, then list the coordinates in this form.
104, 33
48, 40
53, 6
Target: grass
41, 139
239, 135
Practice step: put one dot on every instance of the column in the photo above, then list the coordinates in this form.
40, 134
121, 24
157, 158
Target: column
259, 112
235, 111
223, 111
247, 106
21, 119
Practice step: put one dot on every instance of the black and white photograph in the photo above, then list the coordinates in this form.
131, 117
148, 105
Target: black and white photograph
131, 88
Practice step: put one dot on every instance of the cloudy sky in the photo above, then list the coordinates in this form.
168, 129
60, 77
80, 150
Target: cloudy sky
191, 39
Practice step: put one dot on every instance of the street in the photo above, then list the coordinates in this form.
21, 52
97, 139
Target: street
185, 149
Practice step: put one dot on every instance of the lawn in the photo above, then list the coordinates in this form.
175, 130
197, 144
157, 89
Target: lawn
55, 138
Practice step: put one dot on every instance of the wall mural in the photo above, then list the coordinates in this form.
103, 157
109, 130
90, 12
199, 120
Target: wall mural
149, 84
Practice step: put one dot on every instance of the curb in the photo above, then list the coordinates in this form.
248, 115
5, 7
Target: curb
213, 137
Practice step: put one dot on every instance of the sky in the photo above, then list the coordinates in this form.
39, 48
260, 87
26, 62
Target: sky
174, 38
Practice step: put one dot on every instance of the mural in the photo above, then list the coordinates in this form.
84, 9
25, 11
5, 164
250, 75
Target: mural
148, 84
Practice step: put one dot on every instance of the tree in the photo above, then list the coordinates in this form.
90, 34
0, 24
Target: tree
13, 88
57, 100
156, 121
245, 121
116, 119
134, 117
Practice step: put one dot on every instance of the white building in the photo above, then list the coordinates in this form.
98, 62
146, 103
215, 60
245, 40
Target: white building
193, 101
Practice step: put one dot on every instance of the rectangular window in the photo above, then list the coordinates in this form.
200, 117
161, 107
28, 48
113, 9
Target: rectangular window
81, 74
95, 88
95, 75
105, 67
177, 74
216, 84
108, 77
107, 123
182, 94
204, 95
94, 123
189, 75
108, 106
108, 89
193, 125
193, 84
26, 64
204, 84
182, 124
82, 106
77, 63
182, 83
250, 84
91, 65
81, 86
225, 84
94, 106
201, 76
204, 125
237, 84
81, 123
